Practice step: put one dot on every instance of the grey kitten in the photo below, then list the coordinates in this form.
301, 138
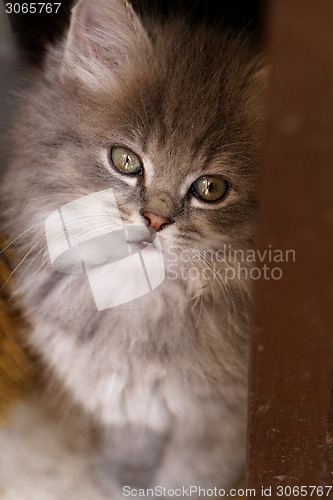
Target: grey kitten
155, 126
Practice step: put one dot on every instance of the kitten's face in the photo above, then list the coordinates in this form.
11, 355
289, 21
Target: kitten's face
169, 121
183, 105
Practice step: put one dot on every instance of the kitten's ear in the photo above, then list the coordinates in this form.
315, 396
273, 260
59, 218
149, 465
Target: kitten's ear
107, 30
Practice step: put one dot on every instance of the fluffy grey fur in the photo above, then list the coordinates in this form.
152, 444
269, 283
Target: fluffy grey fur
163, 377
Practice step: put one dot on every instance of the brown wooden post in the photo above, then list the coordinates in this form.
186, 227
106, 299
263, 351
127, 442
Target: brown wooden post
290, 426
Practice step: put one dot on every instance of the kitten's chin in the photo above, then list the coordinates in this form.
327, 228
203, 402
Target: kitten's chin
140, 237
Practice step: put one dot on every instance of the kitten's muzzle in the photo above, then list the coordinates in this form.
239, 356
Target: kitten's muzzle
140, 237
103, 249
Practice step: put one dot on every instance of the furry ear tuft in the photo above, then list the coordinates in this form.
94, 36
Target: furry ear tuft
107, 30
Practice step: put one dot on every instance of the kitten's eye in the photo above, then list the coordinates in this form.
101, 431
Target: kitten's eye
210, 188
126, 161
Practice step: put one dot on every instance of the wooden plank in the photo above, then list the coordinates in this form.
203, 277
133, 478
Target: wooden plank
291, 369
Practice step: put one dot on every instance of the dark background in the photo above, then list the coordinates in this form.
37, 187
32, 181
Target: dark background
238, 14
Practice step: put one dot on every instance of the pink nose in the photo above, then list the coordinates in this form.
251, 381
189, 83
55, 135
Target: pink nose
156, 221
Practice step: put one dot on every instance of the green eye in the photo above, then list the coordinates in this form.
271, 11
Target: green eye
210, 188
126, 161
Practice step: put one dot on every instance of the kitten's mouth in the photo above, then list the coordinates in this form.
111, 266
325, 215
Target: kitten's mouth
104, 249
139, 237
